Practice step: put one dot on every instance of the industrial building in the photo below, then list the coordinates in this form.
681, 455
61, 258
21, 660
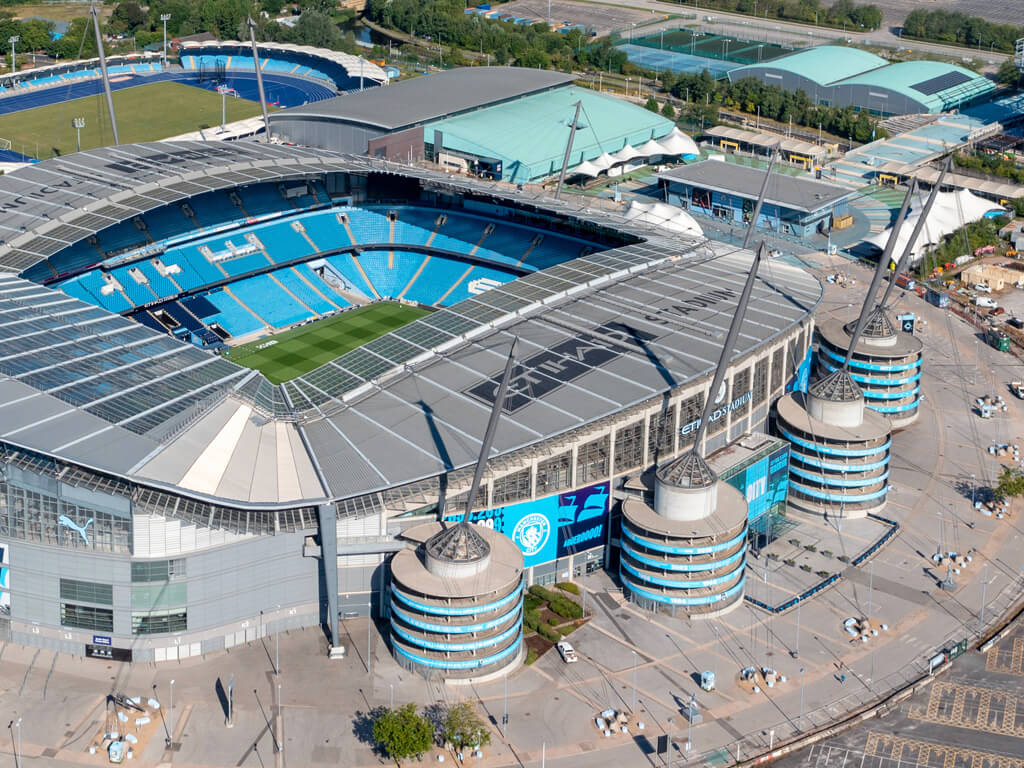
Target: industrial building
838, 76
503, 123
794, 205
159, 501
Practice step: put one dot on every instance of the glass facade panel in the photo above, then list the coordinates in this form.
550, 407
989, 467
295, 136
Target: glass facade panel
86, 592
554, 474
151, 597
629, 447
592, 461
514, 487
86, 617
760, 381
159, 622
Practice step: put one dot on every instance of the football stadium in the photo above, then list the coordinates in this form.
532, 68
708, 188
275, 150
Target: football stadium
233, 374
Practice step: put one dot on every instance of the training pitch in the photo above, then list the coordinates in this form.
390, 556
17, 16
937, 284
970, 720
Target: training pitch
286, 355
145, 113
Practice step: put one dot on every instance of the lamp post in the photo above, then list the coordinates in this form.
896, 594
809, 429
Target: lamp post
800, 722
78, 123
165, 17
689, 720
634, 683
671, 720
13, 39
170, 717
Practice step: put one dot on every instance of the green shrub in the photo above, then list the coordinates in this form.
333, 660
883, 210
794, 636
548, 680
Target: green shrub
568, 586
549, 633
843, 559
532, 620
826, 552
554, 621
795, 542
544, 594
810, 548
789, 562
565, 608
824, 574
530, 602
531, 656
805, 567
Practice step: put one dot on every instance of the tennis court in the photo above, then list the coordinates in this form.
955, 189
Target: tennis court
680, 63
721, 47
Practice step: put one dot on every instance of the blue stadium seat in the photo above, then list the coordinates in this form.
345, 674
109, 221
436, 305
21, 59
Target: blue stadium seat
324, 230
166, 222
242, 265
231, 316
157, 282
264, 297
344, 263
323, 287
283, 243
369, 226
479, 273
390, 281
138, 293
262, 199
303, 292
435, 280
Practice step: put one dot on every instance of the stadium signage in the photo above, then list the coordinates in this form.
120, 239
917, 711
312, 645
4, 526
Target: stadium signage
718, 412
698, 302
546, 371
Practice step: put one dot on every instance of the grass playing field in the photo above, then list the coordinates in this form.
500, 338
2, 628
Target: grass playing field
297, 351
144, 113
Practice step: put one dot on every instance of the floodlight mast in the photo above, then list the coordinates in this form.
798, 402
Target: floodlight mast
568, 148
867, 308
103, 71
760, 201
918, 226
259, 78
730, 341
492, 428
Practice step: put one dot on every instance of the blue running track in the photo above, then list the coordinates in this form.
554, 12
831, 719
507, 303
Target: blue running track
282, 90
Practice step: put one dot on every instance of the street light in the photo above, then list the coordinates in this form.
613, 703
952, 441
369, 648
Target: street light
634, 683
671, 720
170, 717
17, 741
78, 123
165, 17
12, 40
800, 722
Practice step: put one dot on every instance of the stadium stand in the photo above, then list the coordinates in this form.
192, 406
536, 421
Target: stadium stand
266, 298
390, 272
301, 289
230, 315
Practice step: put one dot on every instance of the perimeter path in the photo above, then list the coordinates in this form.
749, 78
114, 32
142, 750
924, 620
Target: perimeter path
630, 660
777, 31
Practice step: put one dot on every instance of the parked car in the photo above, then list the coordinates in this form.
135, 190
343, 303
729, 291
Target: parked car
996, 312
567, 652
982, 288
1016, 323
985, 301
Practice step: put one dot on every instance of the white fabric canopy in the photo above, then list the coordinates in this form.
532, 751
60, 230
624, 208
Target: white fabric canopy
604, 161
626, 154
678, 143
650, 147
950, 211
663, 215
587, 169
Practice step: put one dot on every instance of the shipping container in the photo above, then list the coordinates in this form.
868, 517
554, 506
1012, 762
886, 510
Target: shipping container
937, 298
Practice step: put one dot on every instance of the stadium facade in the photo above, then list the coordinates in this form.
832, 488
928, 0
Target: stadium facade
158, 501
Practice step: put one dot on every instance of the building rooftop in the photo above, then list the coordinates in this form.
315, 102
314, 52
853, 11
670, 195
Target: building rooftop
938, 85
823, 64
532, 132
432, 97
799, 193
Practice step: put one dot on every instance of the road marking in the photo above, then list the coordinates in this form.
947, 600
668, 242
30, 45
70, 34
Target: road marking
966, 706
1010, 661
914, 752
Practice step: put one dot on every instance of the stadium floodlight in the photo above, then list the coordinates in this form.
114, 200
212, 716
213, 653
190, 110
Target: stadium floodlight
13, 39
1018, 55
78, 123
165, 17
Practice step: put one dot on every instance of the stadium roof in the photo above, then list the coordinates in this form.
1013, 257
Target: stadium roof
798, 193
936, 84
96, 389
531, 133
49, 205
823, 64
355, 66
432, 97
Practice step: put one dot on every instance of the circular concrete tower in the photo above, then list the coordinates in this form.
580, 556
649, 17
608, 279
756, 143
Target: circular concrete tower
688, 551
839, 456
886, 365
457, 603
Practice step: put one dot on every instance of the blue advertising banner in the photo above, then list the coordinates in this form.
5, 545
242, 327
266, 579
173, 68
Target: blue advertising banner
765, 483
799, 381
552, 527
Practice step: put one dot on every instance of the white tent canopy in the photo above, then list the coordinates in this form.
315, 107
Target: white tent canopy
586, 169
950, 211
626, 154
604, 161
649, 148
663, 215
678, 143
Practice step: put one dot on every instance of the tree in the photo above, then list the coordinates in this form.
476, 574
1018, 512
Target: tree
1011, 483
402, 733
1008, 73
128, 17
668, 111
463, 728
652, 104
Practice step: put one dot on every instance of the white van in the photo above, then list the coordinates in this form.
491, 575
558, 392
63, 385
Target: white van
567, 652
985, 301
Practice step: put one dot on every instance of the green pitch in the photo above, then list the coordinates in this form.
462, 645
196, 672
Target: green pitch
144, 113
300, 350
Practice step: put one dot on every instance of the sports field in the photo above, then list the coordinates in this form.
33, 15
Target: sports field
145, 113
293, 353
